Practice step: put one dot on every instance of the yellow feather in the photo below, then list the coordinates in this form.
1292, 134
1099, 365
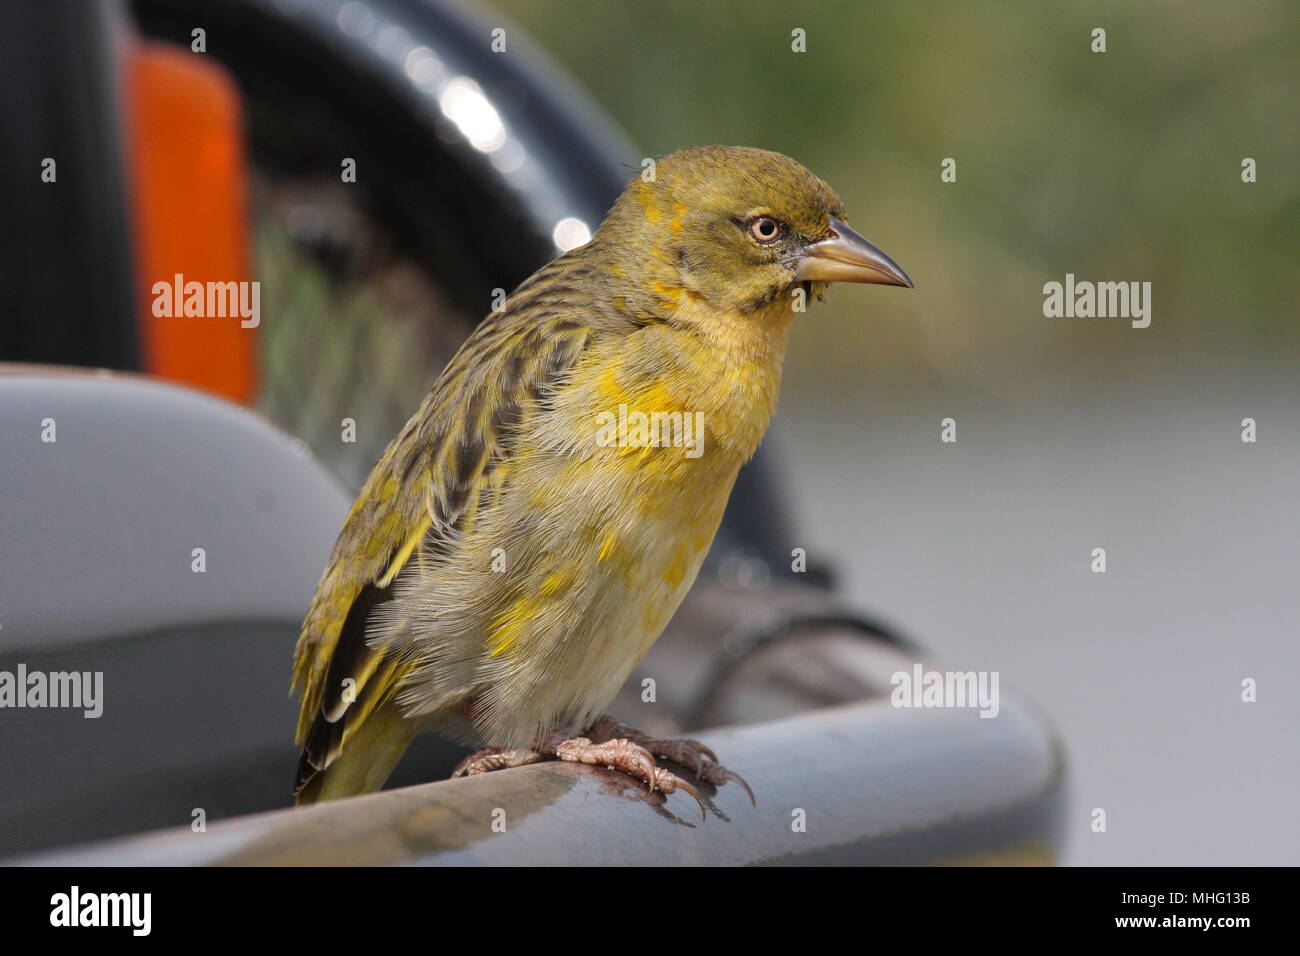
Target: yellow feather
404, 553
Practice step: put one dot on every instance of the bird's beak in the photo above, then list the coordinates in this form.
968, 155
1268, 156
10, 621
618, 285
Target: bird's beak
845, 256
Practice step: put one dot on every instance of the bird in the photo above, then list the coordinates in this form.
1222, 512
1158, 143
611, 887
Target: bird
528, 534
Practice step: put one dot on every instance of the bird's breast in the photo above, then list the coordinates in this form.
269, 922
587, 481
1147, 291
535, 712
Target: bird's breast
671, 403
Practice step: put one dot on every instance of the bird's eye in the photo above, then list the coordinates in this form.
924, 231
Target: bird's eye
765, 228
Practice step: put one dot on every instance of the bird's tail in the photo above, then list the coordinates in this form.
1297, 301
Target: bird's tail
373, 750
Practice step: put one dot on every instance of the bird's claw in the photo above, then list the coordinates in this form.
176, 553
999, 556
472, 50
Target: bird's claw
630, 758
488, 759
694, 754
610, 744
668, 782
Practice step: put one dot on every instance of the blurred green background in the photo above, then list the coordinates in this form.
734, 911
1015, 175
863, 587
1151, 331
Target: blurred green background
1123, 165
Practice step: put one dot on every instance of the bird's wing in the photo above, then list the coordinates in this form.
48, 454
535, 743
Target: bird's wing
427, 481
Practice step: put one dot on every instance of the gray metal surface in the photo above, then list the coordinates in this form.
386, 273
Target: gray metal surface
98, 528
876, 785
97, 531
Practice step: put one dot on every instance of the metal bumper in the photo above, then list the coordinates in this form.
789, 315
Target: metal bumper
859, 784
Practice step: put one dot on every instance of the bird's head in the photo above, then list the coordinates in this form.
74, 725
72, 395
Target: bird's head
738, 229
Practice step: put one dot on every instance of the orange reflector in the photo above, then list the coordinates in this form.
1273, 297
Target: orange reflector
189, 200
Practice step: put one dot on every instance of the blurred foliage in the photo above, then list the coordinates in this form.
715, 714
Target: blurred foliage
352, 337
1123, 165
315, 372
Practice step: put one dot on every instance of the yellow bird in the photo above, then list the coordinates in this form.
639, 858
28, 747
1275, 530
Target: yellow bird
527, 536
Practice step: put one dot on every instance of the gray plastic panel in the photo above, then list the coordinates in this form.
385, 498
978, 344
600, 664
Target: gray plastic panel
98, 528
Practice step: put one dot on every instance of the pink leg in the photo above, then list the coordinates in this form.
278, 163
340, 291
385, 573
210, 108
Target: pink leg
689, 753
623, 755
495, 758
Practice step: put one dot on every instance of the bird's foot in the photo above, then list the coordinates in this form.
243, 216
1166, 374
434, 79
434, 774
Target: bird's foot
609, 743
699, 757
496, 758
623, 755
613, 749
